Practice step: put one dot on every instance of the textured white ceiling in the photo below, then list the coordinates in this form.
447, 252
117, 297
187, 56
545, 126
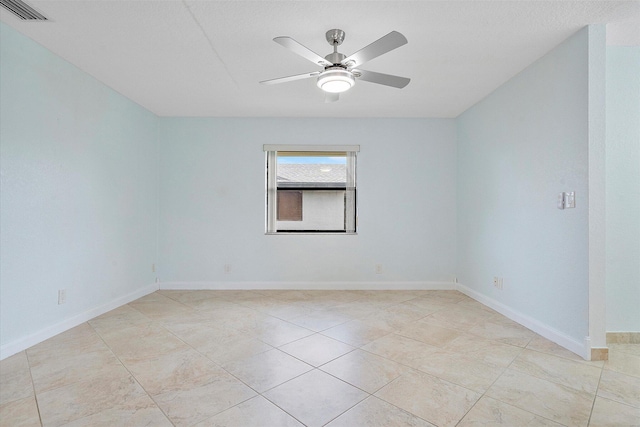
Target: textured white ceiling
205, 58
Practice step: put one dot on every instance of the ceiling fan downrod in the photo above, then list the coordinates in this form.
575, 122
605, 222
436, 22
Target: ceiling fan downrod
335, 38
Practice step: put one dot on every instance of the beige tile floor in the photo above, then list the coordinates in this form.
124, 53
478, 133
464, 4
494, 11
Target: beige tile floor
313, 358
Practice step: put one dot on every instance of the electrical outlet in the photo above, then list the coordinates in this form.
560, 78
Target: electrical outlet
62, 296
497, 282
227, 268
378, 268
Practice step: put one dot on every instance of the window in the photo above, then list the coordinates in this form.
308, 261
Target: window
311, 189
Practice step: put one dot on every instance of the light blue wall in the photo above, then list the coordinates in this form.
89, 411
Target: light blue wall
212, 203
517, 149
79, 190
623, 189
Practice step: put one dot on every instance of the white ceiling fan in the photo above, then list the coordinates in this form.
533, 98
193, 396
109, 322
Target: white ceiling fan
340, 72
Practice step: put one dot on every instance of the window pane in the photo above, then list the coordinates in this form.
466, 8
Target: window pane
314, 171
323, 211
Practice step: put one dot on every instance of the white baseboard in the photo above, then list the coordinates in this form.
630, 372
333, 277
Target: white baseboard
17, 346
536, 326
427, 286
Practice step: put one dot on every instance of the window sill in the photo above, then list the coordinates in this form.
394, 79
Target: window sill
307, 233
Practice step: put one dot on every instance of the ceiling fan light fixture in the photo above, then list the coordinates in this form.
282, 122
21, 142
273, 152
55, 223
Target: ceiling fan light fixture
336, 80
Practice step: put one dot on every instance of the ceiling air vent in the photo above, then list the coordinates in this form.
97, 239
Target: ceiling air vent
22, 10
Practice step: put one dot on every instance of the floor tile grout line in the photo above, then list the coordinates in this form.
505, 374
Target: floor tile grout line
97, 333
373, 396
411, 367
489, 387
224, 410
425, 373
271, 388
344, 381
595, 396
553, 381
459, 385
623, 373
279, 384
390, 403
33, 386
327, 373
506, 403
617, 401
283, 410
354, 345
132, 374
613, 399
36, 393
218, 365
348, 409
483, 394
302, 360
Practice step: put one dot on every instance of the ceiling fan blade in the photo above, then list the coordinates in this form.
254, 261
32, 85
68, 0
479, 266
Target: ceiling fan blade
290, 78
331, 97
301, 50
381, 46
382, 79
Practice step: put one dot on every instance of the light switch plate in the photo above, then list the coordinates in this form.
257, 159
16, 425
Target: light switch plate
567, 200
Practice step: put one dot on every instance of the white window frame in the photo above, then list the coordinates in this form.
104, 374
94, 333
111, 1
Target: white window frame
271, 156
